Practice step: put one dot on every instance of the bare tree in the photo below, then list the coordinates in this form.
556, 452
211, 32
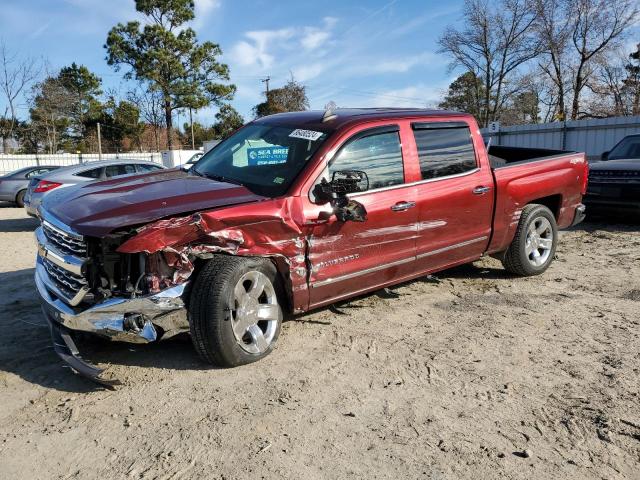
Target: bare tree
574, 35
16, 76
554, 32
494, 42
151, 106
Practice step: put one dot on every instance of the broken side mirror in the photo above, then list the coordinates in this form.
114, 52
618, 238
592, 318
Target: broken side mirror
343, 182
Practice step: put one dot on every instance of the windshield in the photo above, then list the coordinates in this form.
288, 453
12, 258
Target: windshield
628, 148
264, 158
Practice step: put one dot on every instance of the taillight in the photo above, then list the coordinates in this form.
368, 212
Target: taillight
585, 180
45, 186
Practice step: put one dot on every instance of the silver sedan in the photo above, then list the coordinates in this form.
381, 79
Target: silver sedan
13, 186
40, 186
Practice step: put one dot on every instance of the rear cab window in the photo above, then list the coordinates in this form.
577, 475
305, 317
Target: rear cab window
444, 149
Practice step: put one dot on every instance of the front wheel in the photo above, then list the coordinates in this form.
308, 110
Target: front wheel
535, 242
234, 310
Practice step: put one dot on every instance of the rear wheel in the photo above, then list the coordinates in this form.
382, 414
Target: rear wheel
234, 310
20, 198
534, 245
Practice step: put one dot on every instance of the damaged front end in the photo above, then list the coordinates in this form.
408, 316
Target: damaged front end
86, 285
132, 285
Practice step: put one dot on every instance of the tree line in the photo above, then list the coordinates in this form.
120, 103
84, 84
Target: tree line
173, 73
530, 61
521, 61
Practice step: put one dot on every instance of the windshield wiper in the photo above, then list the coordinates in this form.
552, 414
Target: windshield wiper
217, 178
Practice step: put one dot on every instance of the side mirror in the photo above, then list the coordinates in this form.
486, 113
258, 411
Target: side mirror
343, 182
604, 156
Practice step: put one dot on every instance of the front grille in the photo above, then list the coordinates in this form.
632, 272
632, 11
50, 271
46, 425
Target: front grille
65, 242
68, 283
606, 176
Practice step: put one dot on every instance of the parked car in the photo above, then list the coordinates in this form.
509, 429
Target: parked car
13, 186
192, 161
614, 182
292, 212
41, 185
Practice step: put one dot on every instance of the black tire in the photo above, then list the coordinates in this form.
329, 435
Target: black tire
212, 307
516, 260
20, 198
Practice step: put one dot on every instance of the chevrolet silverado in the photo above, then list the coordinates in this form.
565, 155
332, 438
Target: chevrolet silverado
292, 212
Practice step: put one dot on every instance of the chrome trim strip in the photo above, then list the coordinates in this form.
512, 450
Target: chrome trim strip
359, 273
46, 250
43, 276
366, 271
452, 247
56, 224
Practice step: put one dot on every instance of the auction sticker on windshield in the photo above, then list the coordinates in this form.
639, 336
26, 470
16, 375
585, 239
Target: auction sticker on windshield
267, 155
306, 134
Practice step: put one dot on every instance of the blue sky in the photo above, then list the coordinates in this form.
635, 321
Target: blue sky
366, 53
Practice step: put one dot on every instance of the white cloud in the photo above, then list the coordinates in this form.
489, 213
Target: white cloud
403, 65
315, 37
255, 51
203, 8
305, 73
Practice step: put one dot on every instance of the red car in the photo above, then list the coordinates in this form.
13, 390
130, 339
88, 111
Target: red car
293, 212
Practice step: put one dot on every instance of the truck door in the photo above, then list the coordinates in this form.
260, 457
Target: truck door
350, 257
454, 197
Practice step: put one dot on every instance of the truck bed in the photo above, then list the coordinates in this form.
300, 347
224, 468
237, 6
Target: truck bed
532, 175
502, 156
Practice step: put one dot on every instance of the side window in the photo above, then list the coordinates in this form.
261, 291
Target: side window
116, 170
378, 155
444, 151
146, 168
93, 173
33, 173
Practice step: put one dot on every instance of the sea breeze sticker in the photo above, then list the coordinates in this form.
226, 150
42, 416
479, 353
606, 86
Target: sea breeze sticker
306, 134
267, 155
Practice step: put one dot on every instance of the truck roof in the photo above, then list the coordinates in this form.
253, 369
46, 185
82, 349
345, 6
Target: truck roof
313, 119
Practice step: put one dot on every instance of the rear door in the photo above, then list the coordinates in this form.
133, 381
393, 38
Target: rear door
350, 257
455, 196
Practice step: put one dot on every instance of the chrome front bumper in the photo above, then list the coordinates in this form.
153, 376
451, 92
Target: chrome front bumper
113, 317
136, 320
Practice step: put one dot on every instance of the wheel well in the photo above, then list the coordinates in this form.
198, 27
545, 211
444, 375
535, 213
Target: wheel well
18, 192
552, 202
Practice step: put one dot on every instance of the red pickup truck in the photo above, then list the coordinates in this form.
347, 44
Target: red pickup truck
293, 212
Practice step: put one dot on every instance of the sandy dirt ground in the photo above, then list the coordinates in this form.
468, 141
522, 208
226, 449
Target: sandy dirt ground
475, 375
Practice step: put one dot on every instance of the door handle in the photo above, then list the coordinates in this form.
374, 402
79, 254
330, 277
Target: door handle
481, 190
402, 206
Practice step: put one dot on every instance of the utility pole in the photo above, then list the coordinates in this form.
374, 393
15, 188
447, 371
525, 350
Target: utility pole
193, 142
99, 143
266, 82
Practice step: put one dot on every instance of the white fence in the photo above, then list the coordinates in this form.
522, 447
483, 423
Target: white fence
10, 162
591, 136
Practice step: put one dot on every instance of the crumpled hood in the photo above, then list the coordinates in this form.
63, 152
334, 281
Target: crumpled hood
96, 209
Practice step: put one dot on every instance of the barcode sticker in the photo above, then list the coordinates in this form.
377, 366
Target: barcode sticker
306, 134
